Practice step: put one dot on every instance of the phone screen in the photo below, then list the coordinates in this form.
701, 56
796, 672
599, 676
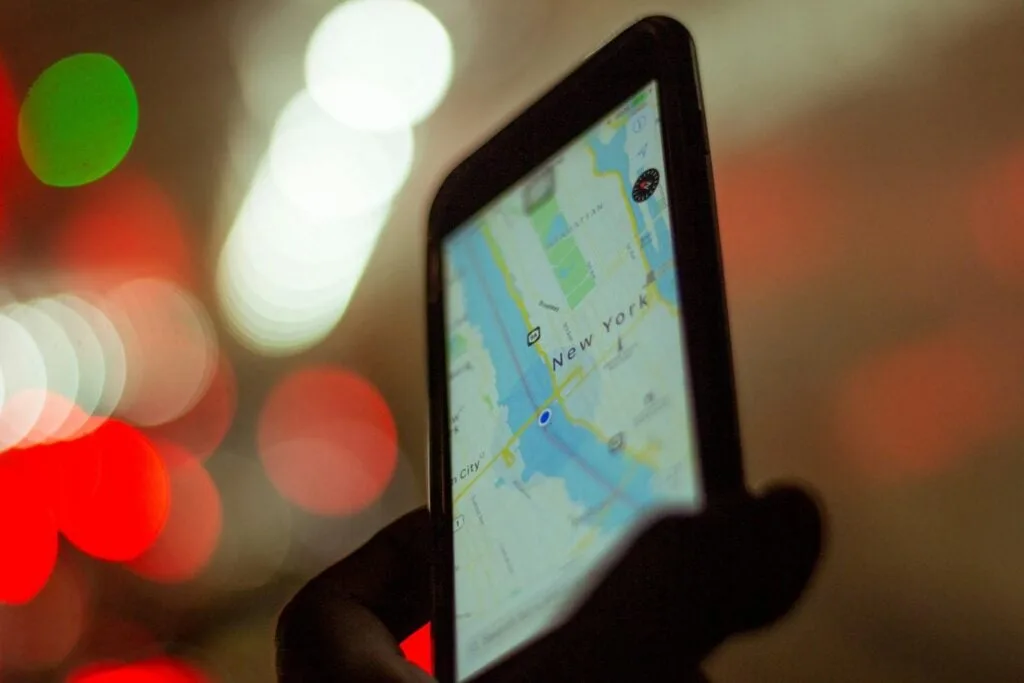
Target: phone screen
571, 414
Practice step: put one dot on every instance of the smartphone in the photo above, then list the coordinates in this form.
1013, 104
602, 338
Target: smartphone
580, 366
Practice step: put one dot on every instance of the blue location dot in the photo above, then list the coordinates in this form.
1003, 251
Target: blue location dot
545, 418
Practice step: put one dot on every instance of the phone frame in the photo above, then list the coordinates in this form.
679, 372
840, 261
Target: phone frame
658, 49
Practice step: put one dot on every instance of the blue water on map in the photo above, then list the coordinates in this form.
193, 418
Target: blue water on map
612, 158
561, 449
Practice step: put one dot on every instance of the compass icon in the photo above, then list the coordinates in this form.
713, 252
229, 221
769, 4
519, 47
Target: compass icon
645, 185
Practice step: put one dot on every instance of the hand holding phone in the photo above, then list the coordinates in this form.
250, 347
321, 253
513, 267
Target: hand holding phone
686, 585
580, 365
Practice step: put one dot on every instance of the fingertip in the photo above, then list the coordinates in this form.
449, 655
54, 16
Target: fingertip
789, 528
799, 511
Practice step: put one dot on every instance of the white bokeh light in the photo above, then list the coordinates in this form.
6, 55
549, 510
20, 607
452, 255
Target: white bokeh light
109, 377
61, 363
170, 348
328, 170
284, 280
379, 64
24, 373
91, 364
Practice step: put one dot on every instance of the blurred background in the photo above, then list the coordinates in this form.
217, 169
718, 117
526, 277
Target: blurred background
212, 376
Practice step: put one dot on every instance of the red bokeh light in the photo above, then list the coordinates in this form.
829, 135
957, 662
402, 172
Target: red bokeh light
34, 469
998, 217
919, 407
42, 633
193, 527
161, 670
9, 151
772, 218
328, 441
202, 429
9, 108
28, 532
125, 228
418, 649
114, 492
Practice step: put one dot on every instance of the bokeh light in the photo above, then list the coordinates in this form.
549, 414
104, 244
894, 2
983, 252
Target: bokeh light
170, 348
61, 365
318, 541
285, 280
379, 64
114, 492
202, 429
157, 670
42, 633
28, 535
23, 378
78, 120
90, 368
124, 228
917, 408
193, 527
9, 154
328, 170
328, 441
773, 221
418, 649
8, 126
998, 217
110, 375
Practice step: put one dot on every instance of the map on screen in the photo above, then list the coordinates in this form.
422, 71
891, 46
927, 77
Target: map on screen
570, 407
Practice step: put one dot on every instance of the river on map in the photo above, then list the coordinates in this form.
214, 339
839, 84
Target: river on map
592, 474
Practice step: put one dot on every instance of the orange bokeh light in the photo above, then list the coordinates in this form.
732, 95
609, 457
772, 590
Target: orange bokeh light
202, 429
160, 670
114, 492
28, 534
125, 227
418, 649
918, 408
998, 217
42, 633
772, 219
328, 441
194, 523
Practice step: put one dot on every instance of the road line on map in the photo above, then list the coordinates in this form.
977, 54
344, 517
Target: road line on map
523, 427
596, 476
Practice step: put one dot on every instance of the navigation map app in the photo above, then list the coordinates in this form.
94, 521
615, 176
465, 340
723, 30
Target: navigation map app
569, 392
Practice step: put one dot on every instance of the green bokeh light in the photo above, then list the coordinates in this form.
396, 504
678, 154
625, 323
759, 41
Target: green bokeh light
78, 120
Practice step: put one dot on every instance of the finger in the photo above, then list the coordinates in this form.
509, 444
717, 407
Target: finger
771, 560
345, 625
684, 586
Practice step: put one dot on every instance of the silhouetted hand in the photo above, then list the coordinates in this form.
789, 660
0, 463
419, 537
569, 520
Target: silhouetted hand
686, 585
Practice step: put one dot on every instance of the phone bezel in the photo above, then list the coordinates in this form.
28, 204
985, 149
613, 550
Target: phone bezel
653, 49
